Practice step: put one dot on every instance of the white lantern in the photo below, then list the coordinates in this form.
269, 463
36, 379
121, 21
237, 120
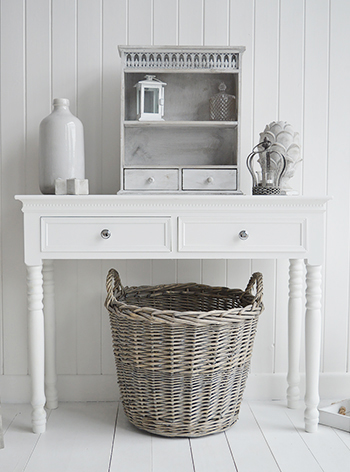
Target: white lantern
150, 99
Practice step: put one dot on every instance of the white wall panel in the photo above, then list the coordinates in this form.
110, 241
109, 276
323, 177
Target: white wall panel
66, 302
89, 86
64, 52
216, 22
316, 96
38, 83
13, 144
114, 30
214, 272
281, 317
264, 353
140, 22
266, 57
336, 324
242, 33
163, 271
165, 17
189, 270
89, 314
294, 69
291, 71
191, 22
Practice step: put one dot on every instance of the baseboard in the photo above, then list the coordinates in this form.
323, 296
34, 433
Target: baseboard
16, 388
80, 388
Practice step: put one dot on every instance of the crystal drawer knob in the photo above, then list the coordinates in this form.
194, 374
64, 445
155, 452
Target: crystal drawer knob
106, 234
150, 180
243, 235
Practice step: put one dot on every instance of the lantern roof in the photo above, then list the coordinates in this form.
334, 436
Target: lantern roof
150, 80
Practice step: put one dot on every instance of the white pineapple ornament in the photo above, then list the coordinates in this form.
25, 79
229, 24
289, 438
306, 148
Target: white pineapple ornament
286, 141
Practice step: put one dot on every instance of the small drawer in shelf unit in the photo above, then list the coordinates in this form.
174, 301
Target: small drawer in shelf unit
151, 179
209, 180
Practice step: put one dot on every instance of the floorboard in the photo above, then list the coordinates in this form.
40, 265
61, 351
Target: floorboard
288, 448
248, 444
171, 455
78, 438
132, 451
212, 453
19, 441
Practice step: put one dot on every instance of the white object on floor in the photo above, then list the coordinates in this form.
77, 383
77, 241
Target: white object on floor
330, 415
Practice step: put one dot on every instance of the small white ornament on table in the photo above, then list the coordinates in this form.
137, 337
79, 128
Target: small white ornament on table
71, 187
77, 187
60, 187
285, 140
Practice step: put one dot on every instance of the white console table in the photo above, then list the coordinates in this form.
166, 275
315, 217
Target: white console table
173, 227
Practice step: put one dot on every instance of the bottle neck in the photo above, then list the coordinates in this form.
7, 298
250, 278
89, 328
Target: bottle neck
61, 107
61, 104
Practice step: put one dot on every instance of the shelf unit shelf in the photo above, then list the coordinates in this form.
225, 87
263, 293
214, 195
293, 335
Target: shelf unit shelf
177, 124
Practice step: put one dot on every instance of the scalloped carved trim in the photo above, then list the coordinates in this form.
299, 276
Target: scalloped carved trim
180, 60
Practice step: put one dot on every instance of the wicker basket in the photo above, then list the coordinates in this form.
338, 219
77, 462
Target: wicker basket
182, 353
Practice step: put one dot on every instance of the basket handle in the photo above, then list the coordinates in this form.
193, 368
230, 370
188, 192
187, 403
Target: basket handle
256, 279
113, 284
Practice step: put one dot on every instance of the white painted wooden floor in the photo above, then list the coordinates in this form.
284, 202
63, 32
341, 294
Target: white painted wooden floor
96, 437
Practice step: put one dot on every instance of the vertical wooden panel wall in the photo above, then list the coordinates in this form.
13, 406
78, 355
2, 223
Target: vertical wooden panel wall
296, 69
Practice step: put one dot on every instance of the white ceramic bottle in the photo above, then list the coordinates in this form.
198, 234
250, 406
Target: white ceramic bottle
61, 146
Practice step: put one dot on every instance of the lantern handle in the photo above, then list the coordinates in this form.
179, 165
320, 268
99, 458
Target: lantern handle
153, 78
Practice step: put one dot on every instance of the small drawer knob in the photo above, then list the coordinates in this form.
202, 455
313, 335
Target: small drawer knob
210, 180
106, 234
150, 180
243, 235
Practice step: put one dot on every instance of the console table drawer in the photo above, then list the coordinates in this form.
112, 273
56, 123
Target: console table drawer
115, 234
220, 235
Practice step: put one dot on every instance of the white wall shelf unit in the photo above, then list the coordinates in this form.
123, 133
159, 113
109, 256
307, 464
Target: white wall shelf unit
187, 152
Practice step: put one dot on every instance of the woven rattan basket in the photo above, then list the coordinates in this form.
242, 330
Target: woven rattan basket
182, 353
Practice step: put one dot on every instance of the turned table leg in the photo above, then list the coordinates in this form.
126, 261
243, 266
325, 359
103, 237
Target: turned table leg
50, 336
312, 345
36, 346
294, 330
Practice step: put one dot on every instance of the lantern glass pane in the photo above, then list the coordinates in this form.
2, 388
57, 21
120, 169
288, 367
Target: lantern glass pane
138, 101
151, 100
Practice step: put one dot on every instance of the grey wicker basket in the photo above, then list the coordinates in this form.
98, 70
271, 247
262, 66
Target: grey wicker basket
182, 353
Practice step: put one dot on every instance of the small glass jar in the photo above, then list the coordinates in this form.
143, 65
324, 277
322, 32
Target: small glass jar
222, 106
